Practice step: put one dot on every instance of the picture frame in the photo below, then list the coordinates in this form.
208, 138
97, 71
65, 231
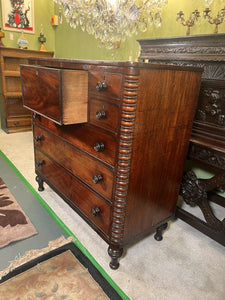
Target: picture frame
18, 15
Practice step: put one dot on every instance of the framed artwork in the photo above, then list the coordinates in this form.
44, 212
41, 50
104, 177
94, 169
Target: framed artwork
18, 15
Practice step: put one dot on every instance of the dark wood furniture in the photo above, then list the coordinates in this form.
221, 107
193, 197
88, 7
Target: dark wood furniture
121, 167
207, 142
14, 117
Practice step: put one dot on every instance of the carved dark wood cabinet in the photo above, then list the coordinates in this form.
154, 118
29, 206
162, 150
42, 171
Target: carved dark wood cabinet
207, 142
111, 138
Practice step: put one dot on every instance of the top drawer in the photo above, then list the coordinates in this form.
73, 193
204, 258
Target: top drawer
60, 95
106, 84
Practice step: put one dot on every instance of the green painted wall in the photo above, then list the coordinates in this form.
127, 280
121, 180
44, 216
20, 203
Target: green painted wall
71, 43
43, 10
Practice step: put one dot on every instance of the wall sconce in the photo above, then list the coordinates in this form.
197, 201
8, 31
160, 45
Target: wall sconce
215, 21
189, 22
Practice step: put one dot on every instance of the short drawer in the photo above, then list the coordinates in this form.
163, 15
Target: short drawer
105, 84
104, 114
84, 137
19, 122
60, 95
94, 208
83, 166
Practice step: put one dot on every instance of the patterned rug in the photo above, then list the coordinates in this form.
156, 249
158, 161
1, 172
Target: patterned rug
64, 273
14, 224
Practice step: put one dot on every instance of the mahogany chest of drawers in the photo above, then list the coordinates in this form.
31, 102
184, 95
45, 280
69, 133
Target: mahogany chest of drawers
111, 138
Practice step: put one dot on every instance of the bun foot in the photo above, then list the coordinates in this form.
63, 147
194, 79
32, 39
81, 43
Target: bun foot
159, 231
40, 183
115, 254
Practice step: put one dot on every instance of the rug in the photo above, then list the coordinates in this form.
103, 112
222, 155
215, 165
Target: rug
14, 224
64, 273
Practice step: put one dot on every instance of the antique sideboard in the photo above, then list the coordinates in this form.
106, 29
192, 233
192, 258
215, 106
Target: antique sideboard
207, 142
111, 138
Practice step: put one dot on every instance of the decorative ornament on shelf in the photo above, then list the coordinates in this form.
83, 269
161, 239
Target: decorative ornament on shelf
42, 40
214, 21
22, 42
112, 21
2, 35
189, 22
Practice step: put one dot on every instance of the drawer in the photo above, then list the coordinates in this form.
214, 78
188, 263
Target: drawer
105, 84
88, 203
96, 209
60, 95
83, 166
19, 122
84, 137
104, 114
56, 175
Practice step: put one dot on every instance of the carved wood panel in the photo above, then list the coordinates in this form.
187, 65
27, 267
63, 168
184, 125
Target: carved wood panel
211, 105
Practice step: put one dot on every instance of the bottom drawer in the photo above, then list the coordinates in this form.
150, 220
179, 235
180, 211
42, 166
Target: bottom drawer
87, 202
19, 122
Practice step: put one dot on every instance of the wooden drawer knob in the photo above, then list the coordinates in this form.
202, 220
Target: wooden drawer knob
39, 163
97, 178
100, 115
37, 138
99, 147
95, 211
101, 86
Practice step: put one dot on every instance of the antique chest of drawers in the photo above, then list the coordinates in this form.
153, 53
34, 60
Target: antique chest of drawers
111, 138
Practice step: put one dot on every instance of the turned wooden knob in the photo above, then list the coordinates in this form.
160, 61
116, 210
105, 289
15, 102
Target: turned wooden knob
99, 147
37, 138
100, 115
97, 178
101, 86
95, 211
39, 163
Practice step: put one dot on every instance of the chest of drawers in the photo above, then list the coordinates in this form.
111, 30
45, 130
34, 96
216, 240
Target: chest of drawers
121, 167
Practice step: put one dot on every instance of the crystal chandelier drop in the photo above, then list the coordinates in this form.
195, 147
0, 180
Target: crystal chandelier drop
112, 21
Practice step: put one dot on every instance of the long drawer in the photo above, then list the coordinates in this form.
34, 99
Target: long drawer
88, 203
84, 137
80, 164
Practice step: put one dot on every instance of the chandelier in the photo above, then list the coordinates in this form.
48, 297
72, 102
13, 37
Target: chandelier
112, 21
